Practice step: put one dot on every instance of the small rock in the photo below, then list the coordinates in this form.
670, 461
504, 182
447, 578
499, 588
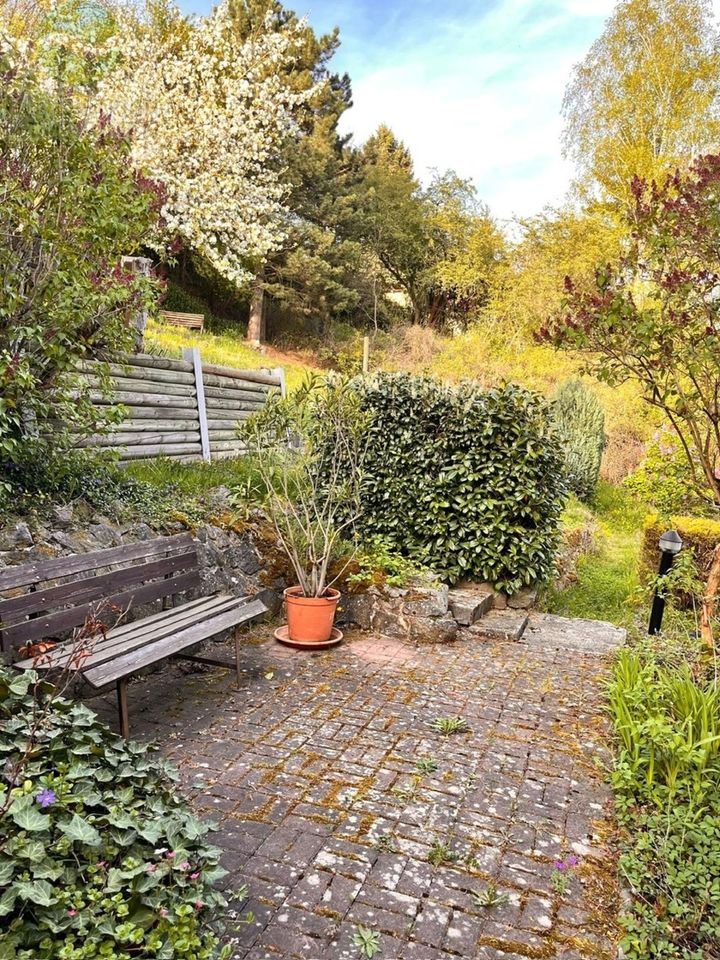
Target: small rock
63, 515
22, 537
219, 499
523, 599
357, 608
427, 601
390, 623
433, 629
104, 534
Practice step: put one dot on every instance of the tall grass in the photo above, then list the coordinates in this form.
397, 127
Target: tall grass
668, 725
223, 349
607, 578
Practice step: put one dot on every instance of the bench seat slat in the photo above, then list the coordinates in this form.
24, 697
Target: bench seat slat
126, 664
28, 574
92, 588
117, 641
51, 625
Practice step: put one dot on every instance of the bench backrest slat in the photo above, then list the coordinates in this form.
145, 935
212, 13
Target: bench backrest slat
28, 574
195, 321
147, 571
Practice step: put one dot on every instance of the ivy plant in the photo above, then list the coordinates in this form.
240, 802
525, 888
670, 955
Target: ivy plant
99, 854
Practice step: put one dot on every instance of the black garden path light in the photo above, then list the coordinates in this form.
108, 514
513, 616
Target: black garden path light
670, 545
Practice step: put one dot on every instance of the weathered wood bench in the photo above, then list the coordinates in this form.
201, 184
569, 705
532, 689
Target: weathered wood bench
46, 599
191, 321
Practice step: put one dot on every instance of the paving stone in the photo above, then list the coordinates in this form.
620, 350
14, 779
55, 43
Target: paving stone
325, 814
467, 606
502, 624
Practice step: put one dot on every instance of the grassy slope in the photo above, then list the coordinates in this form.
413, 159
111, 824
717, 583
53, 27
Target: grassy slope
226, 349
608, 578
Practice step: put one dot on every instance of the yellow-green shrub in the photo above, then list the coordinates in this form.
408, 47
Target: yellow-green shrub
699, 534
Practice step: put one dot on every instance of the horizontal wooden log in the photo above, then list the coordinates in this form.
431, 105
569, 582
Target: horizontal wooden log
237, 383
227, 445
157, 425
132, 399
229, 415
157, 363
177, 457
252, 396
160, 450
256, 376
126, 385
155, 413
228, 454
213, 403
122, 439
222, 435
152, 374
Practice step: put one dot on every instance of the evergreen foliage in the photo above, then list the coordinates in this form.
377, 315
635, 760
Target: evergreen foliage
466, 482
580, 422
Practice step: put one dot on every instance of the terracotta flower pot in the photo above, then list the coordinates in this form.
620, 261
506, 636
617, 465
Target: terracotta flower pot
310, 619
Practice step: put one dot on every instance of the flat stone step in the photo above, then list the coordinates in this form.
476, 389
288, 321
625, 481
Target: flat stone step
502, 625
468, 606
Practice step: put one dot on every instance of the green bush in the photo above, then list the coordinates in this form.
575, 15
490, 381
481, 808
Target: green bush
580, 422
99, 855
72, 207
466, 482
699, 535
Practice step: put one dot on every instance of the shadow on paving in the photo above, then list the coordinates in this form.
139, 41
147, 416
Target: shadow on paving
311, 771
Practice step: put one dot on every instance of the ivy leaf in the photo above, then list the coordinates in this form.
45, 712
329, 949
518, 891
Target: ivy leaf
7, 901
27, 816
81, 831
38, 892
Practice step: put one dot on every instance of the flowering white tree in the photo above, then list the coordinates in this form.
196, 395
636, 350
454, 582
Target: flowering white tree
208, 113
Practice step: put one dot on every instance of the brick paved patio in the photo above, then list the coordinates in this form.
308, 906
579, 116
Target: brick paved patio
311, 771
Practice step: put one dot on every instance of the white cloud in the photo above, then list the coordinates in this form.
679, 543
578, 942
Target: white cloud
481, 94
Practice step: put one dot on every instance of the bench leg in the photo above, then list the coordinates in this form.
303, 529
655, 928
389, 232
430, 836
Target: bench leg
238, 672
123, 708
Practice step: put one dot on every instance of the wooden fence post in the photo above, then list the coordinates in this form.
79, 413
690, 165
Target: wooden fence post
192, 355
279, 372
142, 265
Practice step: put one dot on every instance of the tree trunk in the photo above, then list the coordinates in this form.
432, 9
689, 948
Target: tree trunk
709, 602
256, 321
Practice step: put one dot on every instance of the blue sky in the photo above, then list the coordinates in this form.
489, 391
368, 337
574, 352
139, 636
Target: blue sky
472, 85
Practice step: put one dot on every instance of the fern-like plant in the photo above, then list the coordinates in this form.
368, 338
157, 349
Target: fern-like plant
580, 421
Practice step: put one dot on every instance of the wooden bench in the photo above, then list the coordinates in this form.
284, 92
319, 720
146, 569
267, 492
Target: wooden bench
46, 599
191, 321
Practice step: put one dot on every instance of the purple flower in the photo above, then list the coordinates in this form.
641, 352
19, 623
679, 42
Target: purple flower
46, 797
560, 865
572, 860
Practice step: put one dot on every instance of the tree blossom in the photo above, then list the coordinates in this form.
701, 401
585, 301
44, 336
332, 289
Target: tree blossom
208, 113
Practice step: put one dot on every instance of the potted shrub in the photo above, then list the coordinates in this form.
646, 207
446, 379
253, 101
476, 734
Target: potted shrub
306, 453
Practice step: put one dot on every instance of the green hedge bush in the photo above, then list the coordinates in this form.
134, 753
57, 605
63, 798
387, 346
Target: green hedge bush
99, 855
580, 422
700, 535
466, 482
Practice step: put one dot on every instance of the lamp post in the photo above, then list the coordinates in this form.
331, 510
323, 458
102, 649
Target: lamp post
670, 545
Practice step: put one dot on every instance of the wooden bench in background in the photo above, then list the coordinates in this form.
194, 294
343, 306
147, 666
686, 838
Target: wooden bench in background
191, 321
44, 600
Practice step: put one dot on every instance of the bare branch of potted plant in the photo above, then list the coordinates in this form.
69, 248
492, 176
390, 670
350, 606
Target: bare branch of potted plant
307, 450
